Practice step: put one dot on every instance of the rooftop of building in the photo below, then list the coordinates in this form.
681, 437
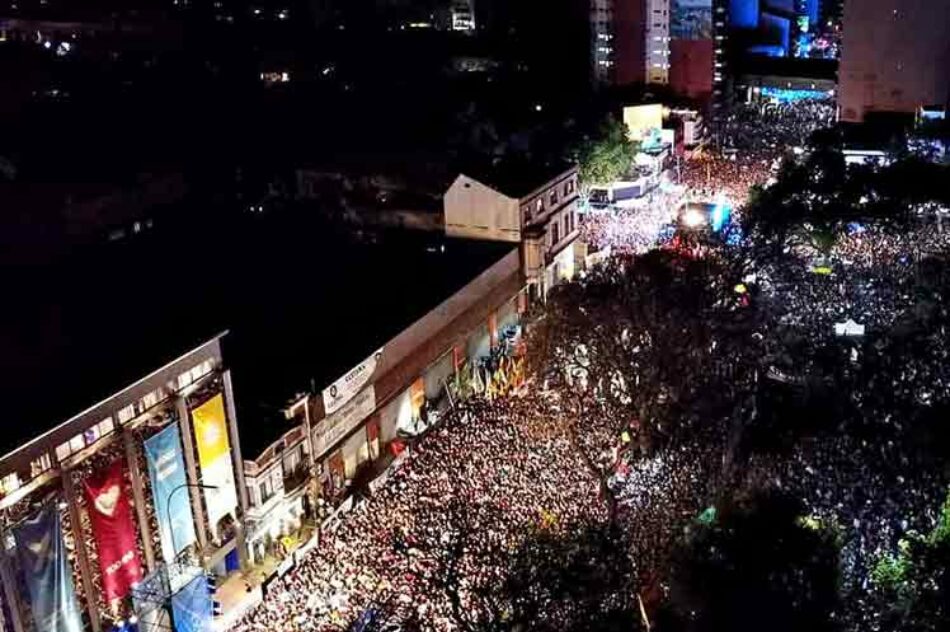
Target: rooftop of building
303, 301
517, 178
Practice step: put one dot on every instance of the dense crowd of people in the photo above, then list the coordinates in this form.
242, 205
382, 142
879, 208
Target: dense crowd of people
434, 546
629, 231
894, 373
468, 496
752, 139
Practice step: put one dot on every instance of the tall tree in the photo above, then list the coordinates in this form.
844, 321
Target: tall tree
607, 156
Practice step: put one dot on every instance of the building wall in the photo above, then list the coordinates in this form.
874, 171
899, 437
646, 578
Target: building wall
894, 56
629, 41
476, 211
691, 68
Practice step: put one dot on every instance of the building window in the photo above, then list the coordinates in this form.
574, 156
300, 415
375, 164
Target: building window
150, 399
40, 465
91, 435
77, 443
539, 206
106, 426
9, 483
555, 236
183, 380
201, 370
126, 414
553, 197
63, 451
267, 491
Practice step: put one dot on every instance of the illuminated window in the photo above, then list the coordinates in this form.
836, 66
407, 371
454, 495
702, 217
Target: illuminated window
9, 483
150, 399
77, 443
126, 414
105, 426
40, 465
553, 197
63, 451
91, 435
184, 380
200, 371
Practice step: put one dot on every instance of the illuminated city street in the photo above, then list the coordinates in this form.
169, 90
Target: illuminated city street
475, 316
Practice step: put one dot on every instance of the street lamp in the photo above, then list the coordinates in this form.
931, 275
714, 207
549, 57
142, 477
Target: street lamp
168, 509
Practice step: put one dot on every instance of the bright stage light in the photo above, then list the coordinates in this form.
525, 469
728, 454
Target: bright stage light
693, 218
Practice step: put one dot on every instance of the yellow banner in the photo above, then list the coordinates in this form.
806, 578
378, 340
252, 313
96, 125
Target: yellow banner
211, 431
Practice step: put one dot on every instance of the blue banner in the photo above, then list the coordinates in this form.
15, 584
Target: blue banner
46, 572
166, 470
191, 607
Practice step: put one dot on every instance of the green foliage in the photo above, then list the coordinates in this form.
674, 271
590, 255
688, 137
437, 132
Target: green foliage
815, 197
912, 584
758, 568
890, 572
608, 156
941, 533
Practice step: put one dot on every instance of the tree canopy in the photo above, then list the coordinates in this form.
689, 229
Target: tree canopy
607, 156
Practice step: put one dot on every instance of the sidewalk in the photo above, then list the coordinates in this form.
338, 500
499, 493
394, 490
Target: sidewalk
241, 590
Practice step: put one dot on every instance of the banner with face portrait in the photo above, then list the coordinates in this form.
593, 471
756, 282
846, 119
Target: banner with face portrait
214, 456
166, 471
114, 531
46, 572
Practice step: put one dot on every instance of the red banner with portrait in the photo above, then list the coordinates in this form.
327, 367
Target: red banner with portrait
114, 531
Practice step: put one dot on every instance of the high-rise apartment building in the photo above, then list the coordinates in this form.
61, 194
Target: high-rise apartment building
895, 56
463, 15
602, 41
659, 42
641, 41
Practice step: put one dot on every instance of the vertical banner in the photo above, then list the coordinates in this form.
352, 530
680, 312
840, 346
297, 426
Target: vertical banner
191, 607
214, 456
166, 471
46, 572
114, 531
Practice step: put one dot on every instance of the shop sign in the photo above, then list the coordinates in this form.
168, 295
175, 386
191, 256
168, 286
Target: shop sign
332, 428
344, 389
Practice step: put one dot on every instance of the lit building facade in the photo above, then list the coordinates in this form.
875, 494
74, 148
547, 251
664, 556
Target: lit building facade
602, 40
657, 42
539, 214
145, 477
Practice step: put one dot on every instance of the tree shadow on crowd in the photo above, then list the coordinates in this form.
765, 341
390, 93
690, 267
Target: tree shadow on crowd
761, 566
575, 580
